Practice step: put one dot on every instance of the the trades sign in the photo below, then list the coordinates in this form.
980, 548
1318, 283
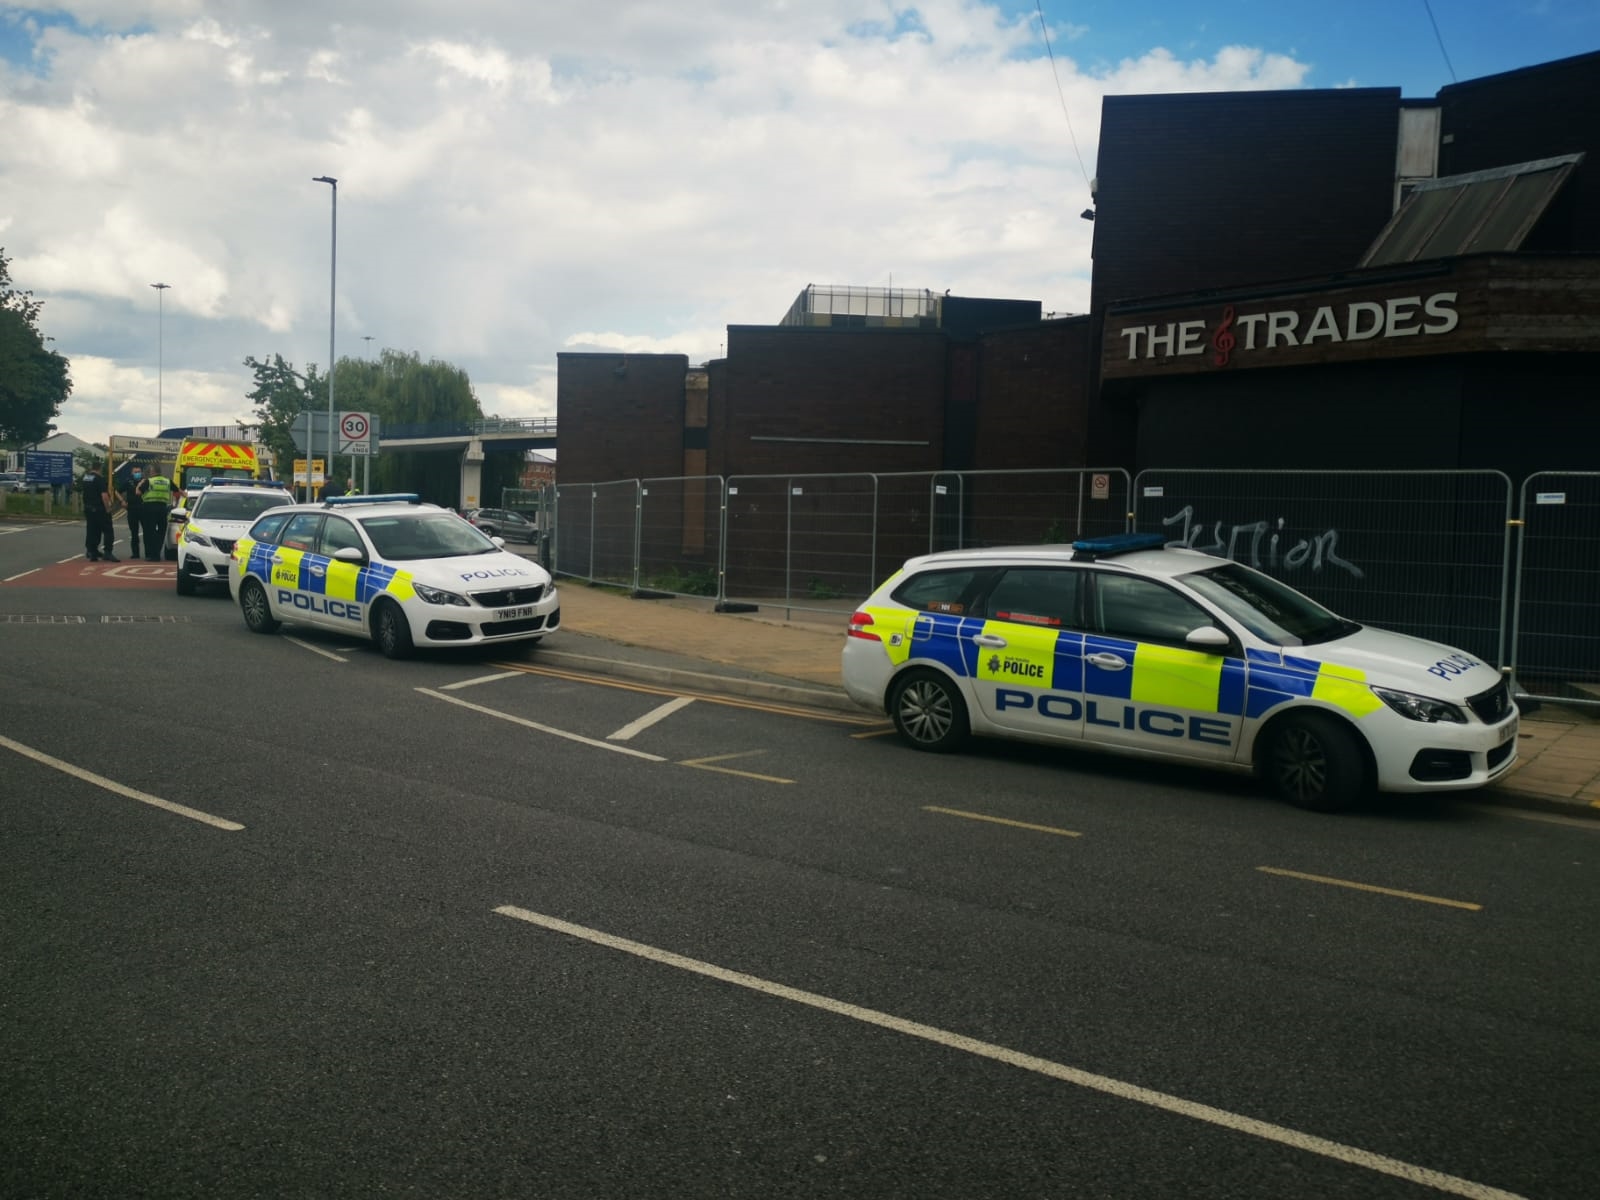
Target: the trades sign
1295, 330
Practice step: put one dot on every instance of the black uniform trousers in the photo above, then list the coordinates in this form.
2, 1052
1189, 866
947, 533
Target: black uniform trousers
135, 523
155, 530
97, 531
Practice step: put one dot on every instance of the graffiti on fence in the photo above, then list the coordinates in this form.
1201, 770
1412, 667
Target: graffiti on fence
1243, 539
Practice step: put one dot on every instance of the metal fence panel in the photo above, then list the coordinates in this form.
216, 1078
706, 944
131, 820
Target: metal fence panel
596, 534
808, 541
680, 535
1555, 643
1026, 508
1420, 552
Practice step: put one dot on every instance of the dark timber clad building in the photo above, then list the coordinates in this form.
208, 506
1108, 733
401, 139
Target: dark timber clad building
1340, 278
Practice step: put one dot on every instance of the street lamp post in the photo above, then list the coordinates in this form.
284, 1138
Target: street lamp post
161, 315
333, 270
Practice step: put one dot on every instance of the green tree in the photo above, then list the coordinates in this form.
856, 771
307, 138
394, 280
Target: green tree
34, 380
280, 394
400, 390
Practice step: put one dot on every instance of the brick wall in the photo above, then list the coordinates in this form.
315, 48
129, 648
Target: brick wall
1204, 191
882, 392
1033, 387
1519, 116
620, 413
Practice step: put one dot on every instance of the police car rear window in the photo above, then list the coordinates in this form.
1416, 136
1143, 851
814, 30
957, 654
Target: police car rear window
268, 527
1044, 596
940, 591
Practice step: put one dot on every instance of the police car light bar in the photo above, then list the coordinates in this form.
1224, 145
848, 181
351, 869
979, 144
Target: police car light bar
1094, 549
271, 483
383, 498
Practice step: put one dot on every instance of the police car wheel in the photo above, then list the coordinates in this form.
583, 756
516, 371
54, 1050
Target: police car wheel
258, 616
185, 581
1313, 763
391, 631
928, 711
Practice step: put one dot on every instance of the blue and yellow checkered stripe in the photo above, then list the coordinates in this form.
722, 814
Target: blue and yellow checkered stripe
339, 581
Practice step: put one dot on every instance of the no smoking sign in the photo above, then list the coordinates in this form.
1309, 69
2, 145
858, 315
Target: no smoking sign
355, 433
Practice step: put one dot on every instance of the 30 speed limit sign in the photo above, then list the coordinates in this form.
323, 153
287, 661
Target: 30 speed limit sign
355, 433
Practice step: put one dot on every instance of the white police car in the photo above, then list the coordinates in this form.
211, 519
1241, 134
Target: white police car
218, 516
1122, 644
404, 573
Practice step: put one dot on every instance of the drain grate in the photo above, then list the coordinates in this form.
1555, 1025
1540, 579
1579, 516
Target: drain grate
67, 619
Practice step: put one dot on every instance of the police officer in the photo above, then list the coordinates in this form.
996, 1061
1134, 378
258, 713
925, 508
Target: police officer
155, 490
134, 504
98, 529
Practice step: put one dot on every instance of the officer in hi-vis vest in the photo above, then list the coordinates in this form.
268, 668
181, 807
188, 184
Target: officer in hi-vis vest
156, 493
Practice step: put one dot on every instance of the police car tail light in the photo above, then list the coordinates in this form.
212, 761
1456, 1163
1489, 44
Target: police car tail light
435, 595
1421, 708
861, 627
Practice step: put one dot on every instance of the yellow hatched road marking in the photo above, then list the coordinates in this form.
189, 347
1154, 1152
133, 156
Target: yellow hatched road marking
972, 816
1368, 887
704, 764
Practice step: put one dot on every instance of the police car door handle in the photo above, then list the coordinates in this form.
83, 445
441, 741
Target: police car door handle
990, 641
1107, 662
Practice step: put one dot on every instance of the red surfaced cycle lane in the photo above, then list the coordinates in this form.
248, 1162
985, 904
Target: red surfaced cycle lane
80, 572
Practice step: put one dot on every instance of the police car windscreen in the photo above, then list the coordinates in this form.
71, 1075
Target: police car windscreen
1269, 609
215, 507
406, 536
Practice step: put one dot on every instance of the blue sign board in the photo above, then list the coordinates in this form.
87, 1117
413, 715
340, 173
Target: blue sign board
49, 466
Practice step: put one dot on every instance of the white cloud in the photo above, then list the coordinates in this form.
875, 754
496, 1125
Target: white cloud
517, 179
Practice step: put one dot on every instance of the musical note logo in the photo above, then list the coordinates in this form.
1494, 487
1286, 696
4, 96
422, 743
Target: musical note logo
1223, 338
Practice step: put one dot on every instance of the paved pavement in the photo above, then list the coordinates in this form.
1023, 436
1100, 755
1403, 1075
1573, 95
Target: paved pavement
686, 643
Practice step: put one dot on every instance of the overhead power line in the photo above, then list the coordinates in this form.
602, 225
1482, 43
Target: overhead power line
1045, 29
1436, 37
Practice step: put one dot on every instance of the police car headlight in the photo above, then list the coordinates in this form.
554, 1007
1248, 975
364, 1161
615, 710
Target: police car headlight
435, 595
1421, 708
198, 539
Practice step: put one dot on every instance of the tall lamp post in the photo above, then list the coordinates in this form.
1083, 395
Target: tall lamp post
161, 315
333, 270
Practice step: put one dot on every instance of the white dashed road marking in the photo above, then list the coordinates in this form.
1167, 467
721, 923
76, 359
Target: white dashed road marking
314, 649
650, 718
450, 687
111, 785
560, 733
1265, 1130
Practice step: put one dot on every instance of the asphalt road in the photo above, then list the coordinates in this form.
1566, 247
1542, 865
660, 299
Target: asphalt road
474, 925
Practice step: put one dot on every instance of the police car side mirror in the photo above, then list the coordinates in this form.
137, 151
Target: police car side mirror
1208, 637
348, 554
498, 541
179, 514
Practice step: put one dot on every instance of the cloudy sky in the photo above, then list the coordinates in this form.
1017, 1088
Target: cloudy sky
518, 178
